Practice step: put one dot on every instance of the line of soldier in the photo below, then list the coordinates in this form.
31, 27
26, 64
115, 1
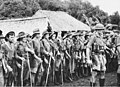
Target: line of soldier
52, 58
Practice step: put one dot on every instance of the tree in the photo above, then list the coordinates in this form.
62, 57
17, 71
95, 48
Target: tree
115, 18
26, 8
18, 9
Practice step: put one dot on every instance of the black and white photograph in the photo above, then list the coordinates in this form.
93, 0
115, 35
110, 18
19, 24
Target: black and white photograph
59, 43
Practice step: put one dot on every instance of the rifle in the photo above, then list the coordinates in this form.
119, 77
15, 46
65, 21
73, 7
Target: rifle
62, 70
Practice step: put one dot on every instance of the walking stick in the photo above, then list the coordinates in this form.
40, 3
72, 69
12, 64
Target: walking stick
48, 71
28, 62
54, 69
62, 71
22, 74
54, 72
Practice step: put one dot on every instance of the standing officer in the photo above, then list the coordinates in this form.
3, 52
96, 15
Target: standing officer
97, 47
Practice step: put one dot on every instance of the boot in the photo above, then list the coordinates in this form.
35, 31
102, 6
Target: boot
118, 79
92, 84
101, 82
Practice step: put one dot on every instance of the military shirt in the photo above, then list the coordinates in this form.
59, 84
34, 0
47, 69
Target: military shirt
9, 50
37, 46
46, 45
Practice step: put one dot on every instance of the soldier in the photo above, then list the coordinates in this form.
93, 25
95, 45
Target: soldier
57, 56
64, 49
85, 67
69, 60
9, 56
117, 46
37, 67
2, 65
78, 46
98, 56
47, 56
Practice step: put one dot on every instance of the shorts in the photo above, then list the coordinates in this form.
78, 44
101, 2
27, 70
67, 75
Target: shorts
99, 62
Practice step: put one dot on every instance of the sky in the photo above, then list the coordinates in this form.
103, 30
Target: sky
109, 6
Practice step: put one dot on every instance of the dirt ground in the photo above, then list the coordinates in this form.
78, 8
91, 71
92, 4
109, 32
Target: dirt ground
111, 80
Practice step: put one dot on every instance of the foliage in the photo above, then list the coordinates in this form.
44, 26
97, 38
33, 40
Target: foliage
76, 8
17, 9
115, 18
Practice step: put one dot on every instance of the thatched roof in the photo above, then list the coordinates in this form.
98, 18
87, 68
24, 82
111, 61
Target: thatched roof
61, 21
24, 24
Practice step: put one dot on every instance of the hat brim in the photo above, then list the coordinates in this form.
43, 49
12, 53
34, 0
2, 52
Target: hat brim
11, 32
55, 33
77, 34
98, 28
46, 33
20, 37
36, 33
1, 37
66, 36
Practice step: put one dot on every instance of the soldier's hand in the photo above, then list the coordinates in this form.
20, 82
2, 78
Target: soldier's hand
29, 50
50, 54
89, 62
23, 59
5, 70
40, 60
9, 68
19, 65
46, 61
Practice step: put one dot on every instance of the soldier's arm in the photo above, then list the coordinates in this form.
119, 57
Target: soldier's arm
6, 67
3, 59
18, 57
67, 54
29, 50
36, 57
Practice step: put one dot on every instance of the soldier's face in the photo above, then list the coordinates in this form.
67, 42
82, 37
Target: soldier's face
11, 38
24, 40
54, 36
38, 35
28, 38
47, 36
